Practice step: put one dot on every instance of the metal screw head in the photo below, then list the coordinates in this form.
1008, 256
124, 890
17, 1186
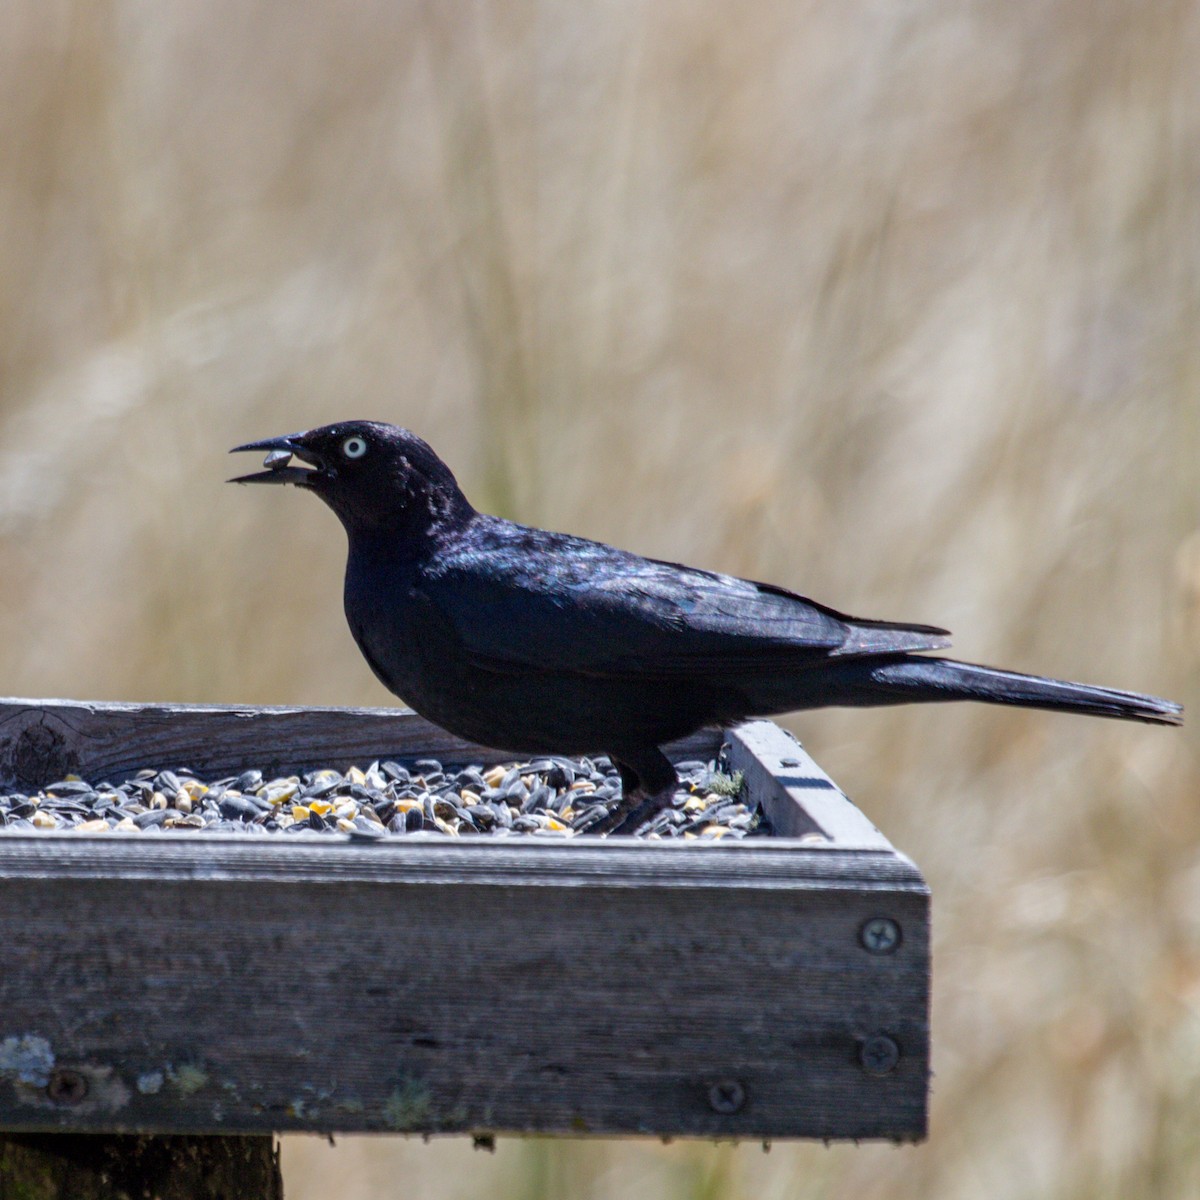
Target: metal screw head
726, 1096
66, 1087
879, 935
878, 1054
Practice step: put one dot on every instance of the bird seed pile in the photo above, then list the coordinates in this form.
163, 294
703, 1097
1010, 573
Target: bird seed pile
546, 797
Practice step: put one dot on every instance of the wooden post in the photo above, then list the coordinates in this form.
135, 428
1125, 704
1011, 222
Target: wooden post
80, 1166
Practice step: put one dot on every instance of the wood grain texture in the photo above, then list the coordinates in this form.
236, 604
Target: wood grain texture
226, 984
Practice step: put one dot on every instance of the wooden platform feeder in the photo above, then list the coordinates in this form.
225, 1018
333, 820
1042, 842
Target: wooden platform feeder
195, 983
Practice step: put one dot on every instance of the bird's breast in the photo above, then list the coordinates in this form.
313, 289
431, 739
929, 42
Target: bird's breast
385, 622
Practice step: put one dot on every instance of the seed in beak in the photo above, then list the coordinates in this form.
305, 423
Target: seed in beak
277, 459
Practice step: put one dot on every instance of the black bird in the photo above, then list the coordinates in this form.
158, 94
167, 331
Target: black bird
544, 643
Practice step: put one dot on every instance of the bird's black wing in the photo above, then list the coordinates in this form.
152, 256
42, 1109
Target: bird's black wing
530, 600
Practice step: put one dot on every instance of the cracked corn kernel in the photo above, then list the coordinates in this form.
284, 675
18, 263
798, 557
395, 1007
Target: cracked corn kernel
300, 812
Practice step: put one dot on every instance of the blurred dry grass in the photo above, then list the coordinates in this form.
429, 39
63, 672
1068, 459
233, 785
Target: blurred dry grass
893, 304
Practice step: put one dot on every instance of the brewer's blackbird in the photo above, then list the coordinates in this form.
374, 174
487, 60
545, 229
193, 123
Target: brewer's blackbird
544, 643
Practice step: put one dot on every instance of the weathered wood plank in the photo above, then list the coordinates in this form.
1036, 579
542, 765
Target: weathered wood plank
797, 796
43, 740
433, 859
340, 987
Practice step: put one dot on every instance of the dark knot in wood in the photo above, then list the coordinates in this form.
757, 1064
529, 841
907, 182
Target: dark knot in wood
39, 755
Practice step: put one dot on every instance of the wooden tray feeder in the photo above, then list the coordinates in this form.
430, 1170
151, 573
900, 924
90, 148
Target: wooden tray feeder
194, 983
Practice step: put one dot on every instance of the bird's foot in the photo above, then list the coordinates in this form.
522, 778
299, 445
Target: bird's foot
634, 811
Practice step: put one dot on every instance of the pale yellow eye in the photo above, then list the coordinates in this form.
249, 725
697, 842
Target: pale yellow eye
354, 447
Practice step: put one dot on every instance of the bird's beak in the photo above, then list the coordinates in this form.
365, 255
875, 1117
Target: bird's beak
280, 452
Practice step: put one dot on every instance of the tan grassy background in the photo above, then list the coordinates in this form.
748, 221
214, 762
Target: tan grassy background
895, 304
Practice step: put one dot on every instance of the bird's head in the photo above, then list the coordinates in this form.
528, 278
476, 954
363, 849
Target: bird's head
372, 475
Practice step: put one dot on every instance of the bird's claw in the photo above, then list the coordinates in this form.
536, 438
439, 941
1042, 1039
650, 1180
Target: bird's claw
633, 812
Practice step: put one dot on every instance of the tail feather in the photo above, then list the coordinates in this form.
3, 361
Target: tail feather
905, 679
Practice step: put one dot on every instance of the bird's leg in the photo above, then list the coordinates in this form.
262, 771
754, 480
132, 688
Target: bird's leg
648, 786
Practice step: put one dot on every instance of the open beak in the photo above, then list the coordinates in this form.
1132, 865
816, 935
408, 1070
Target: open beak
279, 454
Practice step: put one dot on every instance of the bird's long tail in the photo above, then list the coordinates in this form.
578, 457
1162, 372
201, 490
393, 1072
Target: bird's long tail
905, 679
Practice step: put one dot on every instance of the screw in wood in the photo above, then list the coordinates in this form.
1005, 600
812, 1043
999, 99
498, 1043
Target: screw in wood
66, 1087
726, 1096
879, 1054
879, 935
